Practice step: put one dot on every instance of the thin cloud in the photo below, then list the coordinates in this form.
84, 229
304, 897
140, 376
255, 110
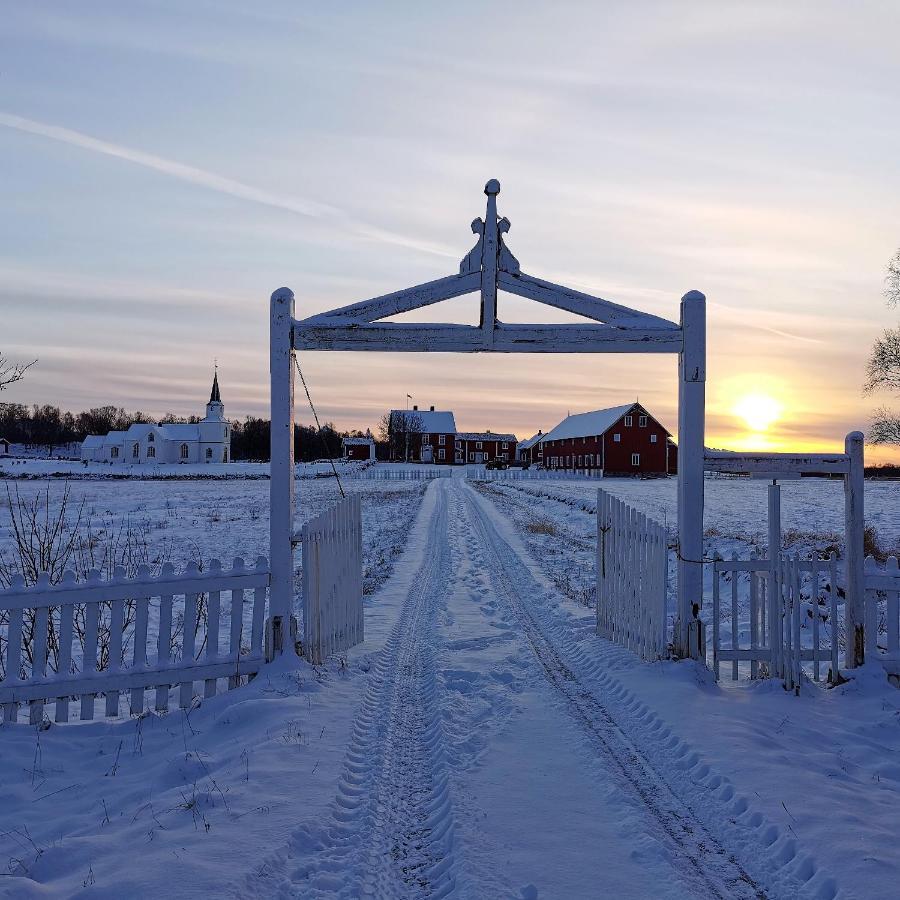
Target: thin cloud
221, 184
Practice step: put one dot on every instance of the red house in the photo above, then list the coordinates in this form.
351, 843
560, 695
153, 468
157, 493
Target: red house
531, 451
484, 446
623, 440
417, 435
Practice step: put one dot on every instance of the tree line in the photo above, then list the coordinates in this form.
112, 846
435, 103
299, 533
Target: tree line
49, 427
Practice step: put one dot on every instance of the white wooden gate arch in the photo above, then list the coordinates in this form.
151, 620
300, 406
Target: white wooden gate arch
491, 268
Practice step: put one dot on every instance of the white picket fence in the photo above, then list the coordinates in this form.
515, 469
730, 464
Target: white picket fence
632, 575
783, 623
332, 581
480, 473
59, 642
883, 613
385, 473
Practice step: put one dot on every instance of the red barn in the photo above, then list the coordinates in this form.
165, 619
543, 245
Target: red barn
530, 451
623, 440
361, 449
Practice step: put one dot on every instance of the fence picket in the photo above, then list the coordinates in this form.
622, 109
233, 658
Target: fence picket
116, 626
64, 666
189, 638
212, 629
89, 658
139, 657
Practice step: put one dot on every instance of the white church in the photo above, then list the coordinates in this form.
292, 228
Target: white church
207, 441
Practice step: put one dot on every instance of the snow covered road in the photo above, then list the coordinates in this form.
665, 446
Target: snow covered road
491, 756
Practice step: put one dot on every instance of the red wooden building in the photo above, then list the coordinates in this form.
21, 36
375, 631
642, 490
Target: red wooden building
531, 451
361, 449
418, 435
623, 440
484, 446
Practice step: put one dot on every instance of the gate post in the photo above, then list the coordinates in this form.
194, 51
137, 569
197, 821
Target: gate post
854, 517
279, 627
691, 449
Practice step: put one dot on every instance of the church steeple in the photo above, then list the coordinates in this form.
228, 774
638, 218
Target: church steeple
215, 409
214, 394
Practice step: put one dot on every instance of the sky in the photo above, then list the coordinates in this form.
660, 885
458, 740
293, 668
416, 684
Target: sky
167, 165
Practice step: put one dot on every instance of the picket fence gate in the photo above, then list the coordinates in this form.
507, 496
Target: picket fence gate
883, 613
104, 637
632, 576
787, 624
332, 581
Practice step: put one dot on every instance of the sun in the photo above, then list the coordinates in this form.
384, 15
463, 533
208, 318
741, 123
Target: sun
759, 411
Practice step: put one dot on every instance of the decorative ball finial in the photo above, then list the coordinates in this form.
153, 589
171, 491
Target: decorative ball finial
492, 187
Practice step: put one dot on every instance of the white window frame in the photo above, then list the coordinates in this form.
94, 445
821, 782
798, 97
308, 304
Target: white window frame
151, 453
442, 439
184, 451
652, 438
642, 421
617, 438
504, 445
477, 445
135, 450
629, 420
442, 453
635, 459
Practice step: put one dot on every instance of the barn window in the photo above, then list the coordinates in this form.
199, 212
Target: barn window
628, 421
652, 438
209, 452
642, 421
135, 450
184, 451
477, 445
151, 452
635, 459
617, 438
505, 445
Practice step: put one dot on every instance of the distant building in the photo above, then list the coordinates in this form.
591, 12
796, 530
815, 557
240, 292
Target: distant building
623, 440
426, 436
207, 441
484, 446
358, 448
530, 451
4, 446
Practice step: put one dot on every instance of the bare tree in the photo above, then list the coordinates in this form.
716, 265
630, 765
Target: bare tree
883, 367
401, 428
11, 372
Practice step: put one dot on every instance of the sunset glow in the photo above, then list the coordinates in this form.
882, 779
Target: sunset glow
759, 411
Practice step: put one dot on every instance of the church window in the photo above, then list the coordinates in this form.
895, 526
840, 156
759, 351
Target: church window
184, 451
225, 455
150, 438
135, 451
151, 452
114, 453
209, 452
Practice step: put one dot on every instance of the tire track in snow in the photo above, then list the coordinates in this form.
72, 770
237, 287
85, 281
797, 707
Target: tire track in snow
391, 828
704, 865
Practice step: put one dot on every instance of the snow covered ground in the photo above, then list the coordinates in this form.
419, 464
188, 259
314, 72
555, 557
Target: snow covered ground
482, 743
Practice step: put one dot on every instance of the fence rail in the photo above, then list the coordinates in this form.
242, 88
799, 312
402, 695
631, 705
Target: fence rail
480, 473
377, 473
332, 581
781, 623
883, 613
632, 574
92, 638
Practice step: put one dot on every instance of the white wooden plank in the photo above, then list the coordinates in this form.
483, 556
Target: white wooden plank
89, 657
774, 463
212, 629
581, 304
116, 624
139, 655
398, 302
66, 630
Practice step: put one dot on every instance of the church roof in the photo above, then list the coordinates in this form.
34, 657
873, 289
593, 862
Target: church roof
214, 393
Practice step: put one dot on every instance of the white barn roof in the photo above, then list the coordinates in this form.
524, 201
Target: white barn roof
588, 423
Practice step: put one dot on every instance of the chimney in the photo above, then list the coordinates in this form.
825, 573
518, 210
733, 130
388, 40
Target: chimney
415, 407
432, 409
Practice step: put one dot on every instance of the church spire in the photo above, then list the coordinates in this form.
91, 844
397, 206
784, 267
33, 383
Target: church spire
214, 394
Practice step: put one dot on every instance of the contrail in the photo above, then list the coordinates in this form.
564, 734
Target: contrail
219, 183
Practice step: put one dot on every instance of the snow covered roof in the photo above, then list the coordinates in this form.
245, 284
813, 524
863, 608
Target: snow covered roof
92, 441
113, 437
588, 423
430, 421
530, 442
358, 441
485, 436
180, 432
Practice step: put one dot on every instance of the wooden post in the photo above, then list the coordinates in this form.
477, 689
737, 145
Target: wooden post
854, 513
774, 598
281, 484
691, 416
489, 264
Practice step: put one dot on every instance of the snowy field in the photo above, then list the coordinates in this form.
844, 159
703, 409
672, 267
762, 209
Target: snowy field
482, 743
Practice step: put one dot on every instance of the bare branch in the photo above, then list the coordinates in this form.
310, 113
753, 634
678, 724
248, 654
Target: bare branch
11, 372
892, 281
883, 367
885, 427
